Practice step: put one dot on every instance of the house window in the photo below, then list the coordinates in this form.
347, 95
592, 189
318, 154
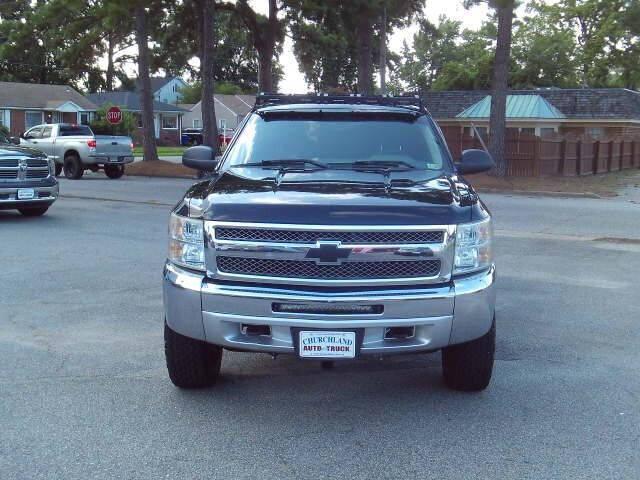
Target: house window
595, 132
32, 119
547, 132
85, 118
169, 122
528, 131
197, 123
4, 118
139, 120
222, 123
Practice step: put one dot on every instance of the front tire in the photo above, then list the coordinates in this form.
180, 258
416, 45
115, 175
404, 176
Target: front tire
467, 367
114, 171
191, 363
73, 168
33, 211
58, 169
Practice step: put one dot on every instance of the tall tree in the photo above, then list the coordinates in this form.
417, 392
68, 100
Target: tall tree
142, 38
323, 44
500, 81
207, 67
266, 34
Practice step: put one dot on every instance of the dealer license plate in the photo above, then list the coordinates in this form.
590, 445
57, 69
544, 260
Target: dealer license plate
26, 193
327, 344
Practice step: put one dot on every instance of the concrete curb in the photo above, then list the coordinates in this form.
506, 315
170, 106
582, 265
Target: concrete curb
542, 193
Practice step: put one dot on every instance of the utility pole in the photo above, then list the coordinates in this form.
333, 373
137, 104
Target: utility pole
383, 51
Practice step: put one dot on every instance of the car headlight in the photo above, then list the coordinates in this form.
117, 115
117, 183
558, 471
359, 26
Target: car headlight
473, 247
186, 242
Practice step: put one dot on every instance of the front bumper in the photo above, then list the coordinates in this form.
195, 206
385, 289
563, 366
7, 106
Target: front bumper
441, 315
45, 193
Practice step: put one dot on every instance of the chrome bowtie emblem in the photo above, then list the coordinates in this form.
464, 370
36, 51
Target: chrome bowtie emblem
328, 253
22, 169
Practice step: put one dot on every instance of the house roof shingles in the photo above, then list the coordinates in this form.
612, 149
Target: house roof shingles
40, 96
130, 101
587, 103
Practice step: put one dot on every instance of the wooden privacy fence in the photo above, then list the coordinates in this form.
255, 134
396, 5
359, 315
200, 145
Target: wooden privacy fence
529, 156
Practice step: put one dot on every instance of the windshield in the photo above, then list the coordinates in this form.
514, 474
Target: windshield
336, 140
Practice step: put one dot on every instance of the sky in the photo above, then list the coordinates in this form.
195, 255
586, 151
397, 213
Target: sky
293, 81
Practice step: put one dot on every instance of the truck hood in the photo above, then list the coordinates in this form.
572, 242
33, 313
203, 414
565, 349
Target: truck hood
333, 197
7, 150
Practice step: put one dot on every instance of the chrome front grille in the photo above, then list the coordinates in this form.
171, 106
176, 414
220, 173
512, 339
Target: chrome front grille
345, 271
23, 169
306, 236
329, 255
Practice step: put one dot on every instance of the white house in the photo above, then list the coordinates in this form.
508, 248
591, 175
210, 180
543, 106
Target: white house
165, 89
230, 111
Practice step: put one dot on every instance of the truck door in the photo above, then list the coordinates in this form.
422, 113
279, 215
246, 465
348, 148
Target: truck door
45, 144
31, 138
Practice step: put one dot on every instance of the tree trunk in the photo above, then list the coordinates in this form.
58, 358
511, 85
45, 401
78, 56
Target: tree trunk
207, 47
110, 69
365, 39
265, 54
500, 86
383, 52
265, 74
148, 130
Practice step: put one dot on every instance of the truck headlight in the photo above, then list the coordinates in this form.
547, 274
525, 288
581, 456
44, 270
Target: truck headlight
473, 247
186, 242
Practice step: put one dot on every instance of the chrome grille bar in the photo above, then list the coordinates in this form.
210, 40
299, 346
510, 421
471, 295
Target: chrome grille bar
288, 254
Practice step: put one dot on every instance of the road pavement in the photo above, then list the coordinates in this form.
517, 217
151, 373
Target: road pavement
84, 392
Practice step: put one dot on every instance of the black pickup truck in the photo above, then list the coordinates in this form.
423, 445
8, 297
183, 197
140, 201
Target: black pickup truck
27, 179
333, 227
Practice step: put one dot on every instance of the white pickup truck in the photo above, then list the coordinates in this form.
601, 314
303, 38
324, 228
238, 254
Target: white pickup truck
75, 148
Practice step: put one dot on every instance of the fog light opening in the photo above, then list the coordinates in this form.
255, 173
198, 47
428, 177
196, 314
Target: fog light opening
256, 330
399, 333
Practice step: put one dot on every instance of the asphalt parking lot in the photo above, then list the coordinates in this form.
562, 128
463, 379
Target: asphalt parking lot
84, 392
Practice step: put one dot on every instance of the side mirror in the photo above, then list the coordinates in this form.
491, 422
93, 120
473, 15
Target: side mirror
200, 158
475, 161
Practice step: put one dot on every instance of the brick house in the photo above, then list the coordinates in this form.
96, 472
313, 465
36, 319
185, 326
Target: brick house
24, 105
167, 117
595, 112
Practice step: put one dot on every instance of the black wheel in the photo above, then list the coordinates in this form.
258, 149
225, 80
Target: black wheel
191, 363
468, 366
114, 171
58, 169
33, 211
73, 168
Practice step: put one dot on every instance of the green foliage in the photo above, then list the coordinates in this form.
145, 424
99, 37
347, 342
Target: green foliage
127, 127
4, 131
445, 58
192, 93
570, 43
326, 41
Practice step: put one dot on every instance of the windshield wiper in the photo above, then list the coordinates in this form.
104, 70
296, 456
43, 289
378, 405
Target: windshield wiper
376, 165
288, 164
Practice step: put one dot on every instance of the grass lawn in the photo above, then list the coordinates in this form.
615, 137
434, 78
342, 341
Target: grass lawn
162, 151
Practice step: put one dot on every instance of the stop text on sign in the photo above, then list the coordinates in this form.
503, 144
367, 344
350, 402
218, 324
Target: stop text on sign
114, 115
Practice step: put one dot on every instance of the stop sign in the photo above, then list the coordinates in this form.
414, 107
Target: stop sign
114, 115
